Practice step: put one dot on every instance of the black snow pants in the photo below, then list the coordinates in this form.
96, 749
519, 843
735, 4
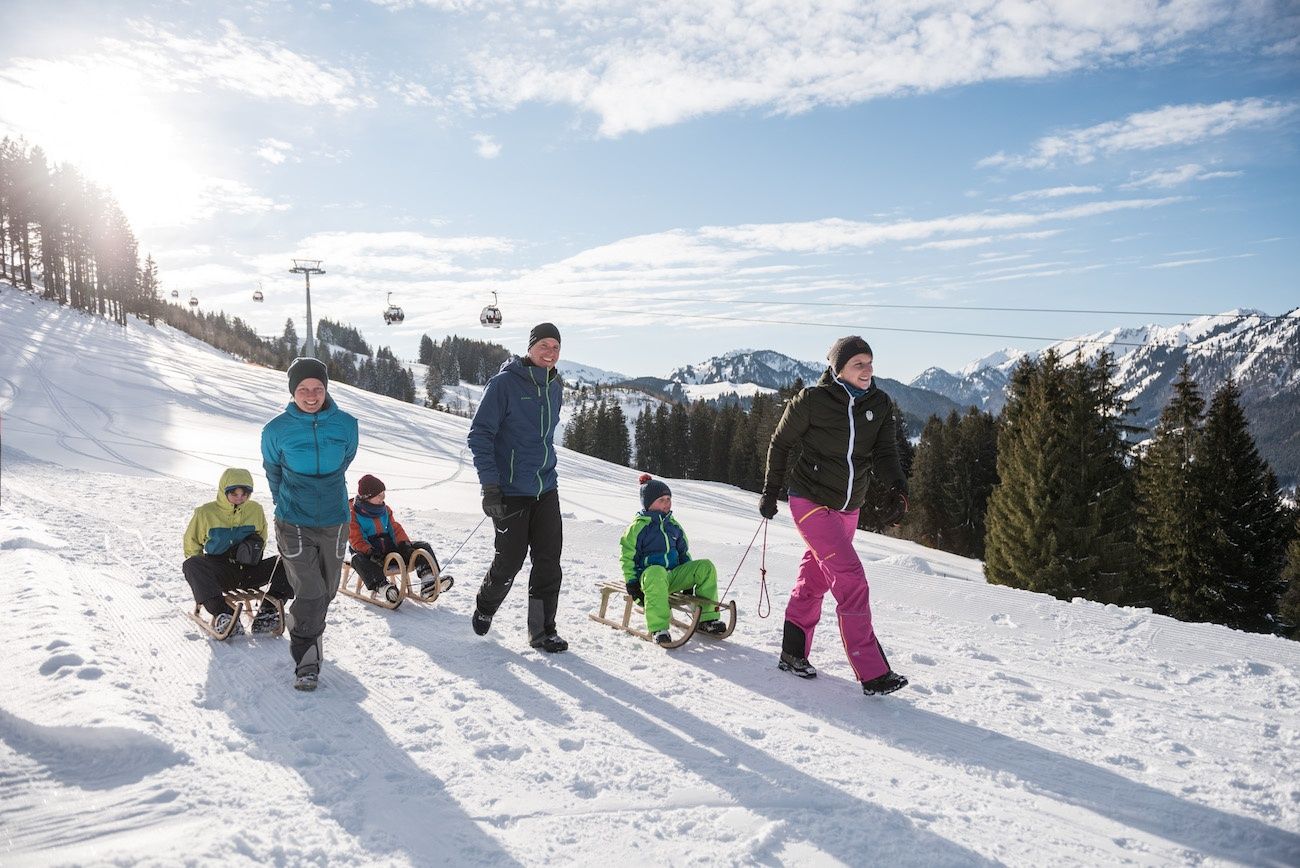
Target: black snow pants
210, 575
532, 526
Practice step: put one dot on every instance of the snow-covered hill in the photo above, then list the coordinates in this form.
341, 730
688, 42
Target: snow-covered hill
1035, 731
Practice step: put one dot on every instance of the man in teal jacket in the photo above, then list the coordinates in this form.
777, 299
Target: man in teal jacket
305, 451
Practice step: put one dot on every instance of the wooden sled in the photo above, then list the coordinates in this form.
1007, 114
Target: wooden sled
243, 602
689, 605
400, 574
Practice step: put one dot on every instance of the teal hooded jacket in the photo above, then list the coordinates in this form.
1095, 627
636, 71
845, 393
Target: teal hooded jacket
305, 456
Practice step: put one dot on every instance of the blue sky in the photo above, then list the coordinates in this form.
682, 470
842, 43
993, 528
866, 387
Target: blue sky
670, 181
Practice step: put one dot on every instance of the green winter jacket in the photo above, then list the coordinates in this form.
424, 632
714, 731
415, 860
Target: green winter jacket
843, 440
218, 525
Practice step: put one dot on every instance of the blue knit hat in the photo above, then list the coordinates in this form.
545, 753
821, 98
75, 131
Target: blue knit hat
651, 490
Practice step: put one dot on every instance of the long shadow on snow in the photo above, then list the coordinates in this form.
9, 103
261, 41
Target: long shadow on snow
900, 724
353, 769
847, 828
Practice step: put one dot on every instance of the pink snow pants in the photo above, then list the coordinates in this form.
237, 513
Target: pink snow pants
831, 564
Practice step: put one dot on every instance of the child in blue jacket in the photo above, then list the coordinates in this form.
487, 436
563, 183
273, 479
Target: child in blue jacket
657, 562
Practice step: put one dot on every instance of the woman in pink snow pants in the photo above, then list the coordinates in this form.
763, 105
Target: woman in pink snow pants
845, 426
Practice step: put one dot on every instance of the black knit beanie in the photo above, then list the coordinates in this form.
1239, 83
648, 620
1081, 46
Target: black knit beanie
543, 330
307, 368
844, 349
651, 490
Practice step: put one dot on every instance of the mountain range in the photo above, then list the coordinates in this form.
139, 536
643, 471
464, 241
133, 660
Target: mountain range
1260, 352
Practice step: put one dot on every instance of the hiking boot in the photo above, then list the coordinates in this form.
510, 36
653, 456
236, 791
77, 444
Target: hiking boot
551, 643
222, 623
391, 593
887, 683
424, 570
712, 628
798, 665
267, 621
663, 637
481, 623
306, 681
442, 584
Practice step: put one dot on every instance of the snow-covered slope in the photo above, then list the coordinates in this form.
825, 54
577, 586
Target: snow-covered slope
1035, 732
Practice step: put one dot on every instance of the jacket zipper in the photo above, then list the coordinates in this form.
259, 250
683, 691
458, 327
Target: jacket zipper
848, 493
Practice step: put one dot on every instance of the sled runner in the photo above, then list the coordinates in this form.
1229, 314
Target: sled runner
688, 605
242, 602
402, 574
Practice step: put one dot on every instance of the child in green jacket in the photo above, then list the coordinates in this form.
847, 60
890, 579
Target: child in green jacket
657, 562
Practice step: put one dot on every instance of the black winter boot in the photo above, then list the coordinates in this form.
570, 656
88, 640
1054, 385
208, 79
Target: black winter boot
798, 665
887, 683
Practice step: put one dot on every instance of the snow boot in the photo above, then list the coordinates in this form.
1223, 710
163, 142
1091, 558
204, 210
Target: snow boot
887, 683
712, 628
798, 665
663, 637
391, 593
223, 622
267, 621
306, 681
481, 623
433, 584
551, 643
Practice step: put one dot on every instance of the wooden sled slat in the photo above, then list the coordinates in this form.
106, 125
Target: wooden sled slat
401, 573
685, 604
243, 602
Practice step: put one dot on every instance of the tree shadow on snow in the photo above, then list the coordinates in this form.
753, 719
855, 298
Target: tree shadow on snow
896, 722
354, 771
845, 827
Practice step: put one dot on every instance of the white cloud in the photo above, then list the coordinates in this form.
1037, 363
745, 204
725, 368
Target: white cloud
1053, 193
1166, 178
637, 66
1182, 263
487, 147
1169, 126
274, 151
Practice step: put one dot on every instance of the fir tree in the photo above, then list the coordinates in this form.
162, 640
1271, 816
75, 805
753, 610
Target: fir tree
290, 339
1248, 525
433, 385
426, 350
1171, 494
1289, 605
1059, 520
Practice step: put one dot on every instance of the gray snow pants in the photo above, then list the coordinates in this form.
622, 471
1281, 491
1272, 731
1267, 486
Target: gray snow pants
313, 559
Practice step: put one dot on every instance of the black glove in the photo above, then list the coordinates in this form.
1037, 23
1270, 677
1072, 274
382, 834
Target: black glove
634, 591
894, 505
767, 504
494, 505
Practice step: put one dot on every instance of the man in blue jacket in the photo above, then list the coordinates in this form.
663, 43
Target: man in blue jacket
305, 452
512, 438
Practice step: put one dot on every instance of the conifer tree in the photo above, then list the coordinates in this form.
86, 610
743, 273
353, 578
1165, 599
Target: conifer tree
1171, 493
1248, 525
928, 522
1289, 606
433, 385
426, 350
1059, 520
290, 339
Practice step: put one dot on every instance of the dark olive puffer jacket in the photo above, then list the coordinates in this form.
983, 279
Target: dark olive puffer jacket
844, 440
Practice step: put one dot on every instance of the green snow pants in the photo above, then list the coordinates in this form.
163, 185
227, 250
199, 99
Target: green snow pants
696, 577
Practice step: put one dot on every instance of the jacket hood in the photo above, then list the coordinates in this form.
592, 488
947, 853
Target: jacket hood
837, 389
232, 476
515, 365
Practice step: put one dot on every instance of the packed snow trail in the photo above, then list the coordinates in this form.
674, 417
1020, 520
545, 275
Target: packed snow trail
1035, 731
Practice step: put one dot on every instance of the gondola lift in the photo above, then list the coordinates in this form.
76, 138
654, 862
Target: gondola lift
257, 293
491, 315
176, 293
194, 301
393, 313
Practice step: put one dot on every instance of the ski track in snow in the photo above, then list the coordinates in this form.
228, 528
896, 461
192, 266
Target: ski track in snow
1034, 732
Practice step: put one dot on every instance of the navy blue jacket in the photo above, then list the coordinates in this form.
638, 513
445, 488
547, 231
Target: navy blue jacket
305, 456
653, 539
512, 436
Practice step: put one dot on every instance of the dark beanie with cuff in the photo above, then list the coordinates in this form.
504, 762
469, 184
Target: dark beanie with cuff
307, 368
844, 349
651, 490
543, 330
369, 486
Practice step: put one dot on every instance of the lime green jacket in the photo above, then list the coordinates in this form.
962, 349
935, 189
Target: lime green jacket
218, 525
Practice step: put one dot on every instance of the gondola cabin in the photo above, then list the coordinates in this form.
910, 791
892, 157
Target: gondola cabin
393, 313
194, 301
257, 295
176, 293
491, 315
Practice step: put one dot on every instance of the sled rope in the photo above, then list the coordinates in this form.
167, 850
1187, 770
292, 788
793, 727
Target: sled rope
462, 545
762, 572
